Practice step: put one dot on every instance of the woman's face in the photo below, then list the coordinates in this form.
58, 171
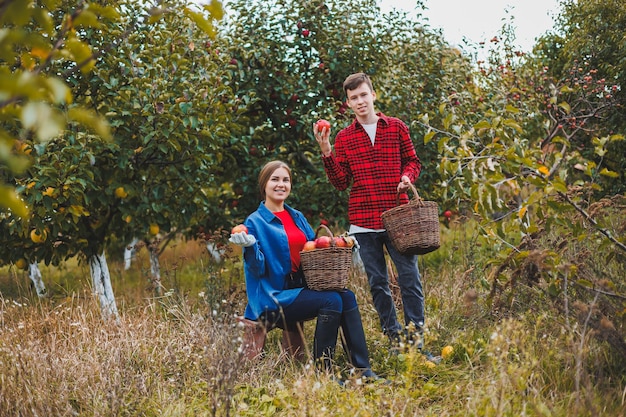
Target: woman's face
278, 187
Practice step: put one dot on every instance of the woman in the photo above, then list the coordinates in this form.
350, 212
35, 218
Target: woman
271, 253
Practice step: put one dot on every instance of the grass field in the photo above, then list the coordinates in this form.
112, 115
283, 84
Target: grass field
179, 354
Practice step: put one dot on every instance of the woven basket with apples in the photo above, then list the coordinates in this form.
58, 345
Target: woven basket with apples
326, 261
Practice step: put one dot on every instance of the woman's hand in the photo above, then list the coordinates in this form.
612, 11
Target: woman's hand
242, 239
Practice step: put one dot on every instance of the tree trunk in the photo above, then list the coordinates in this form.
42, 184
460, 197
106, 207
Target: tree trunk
129, 253
35, 276
155, 270
101, 280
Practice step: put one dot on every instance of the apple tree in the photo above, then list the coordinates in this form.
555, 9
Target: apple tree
525, 154
288, 63
36, 104
157, 77
585, 43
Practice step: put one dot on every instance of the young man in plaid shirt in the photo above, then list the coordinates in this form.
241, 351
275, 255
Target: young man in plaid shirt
376, 158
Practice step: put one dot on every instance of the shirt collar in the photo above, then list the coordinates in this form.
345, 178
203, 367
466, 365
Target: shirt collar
381, 115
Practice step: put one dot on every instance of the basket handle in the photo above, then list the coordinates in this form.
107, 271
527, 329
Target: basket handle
323, 226
329, 233
416, 196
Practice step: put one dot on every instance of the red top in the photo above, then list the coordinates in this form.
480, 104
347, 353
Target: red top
373, 171
295, 236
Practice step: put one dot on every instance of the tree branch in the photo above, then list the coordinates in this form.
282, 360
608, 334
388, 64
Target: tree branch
593, 222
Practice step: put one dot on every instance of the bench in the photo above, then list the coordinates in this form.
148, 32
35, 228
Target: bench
255, 334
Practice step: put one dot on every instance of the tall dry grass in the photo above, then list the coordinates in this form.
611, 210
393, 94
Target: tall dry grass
179, 354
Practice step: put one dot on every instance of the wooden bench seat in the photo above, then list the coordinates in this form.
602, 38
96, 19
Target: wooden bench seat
255, 334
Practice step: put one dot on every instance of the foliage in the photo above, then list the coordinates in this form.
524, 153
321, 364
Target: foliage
587, 42
168, 109
36, 103
525, 154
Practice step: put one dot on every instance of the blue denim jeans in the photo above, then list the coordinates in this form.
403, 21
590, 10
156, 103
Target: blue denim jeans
308, 304
372, 253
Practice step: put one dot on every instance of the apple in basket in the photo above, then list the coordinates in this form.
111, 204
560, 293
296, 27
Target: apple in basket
310, 245
322, 242
349, 241
340, 242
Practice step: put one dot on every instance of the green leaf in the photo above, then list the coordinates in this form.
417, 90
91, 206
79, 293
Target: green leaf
585, 283
428, 136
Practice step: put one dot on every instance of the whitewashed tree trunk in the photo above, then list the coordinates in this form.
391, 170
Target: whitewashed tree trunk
215, 253
129, 253
101, 280
35, 276
155, 270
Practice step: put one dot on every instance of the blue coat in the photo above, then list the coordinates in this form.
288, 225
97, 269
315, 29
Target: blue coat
267, 263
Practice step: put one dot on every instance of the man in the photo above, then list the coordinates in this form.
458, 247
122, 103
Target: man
375, 157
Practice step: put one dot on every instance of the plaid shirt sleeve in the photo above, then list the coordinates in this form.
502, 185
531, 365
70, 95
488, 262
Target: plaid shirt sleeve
372, 172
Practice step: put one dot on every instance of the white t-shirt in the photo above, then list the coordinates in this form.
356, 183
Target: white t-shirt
371, 131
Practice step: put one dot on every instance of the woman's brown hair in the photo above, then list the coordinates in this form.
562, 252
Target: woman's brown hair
266, 173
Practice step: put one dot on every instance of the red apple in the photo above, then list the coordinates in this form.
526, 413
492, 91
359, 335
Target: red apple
239, 228
321, 124
310, 245
447, 214
322, 242
340, 242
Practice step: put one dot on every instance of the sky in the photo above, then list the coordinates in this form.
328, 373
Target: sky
481, 20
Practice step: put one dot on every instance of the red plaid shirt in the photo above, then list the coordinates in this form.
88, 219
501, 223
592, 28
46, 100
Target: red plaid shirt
374, 171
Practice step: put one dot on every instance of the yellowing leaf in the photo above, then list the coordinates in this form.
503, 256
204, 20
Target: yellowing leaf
91, 120
39, 53
522, 212
10, 200
607, 173
81, 53
215, 9
543, 170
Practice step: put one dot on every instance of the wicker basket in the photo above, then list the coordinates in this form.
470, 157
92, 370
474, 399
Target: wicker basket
326, 269
413, 227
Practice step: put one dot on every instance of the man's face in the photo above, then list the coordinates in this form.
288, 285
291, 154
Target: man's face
361, 100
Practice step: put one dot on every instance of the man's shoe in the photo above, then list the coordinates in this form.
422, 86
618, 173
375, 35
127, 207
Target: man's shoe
436, 359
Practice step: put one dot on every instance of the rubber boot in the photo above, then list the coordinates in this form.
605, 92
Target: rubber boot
326, 338
355, 343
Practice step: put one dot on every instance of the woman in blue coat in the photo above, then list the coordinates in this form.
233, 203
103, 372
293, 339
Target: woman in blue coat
274, 281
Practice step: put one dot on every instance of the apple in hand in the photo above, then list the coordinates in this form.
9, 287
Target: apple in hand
322, 242
239, 228
321, 124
